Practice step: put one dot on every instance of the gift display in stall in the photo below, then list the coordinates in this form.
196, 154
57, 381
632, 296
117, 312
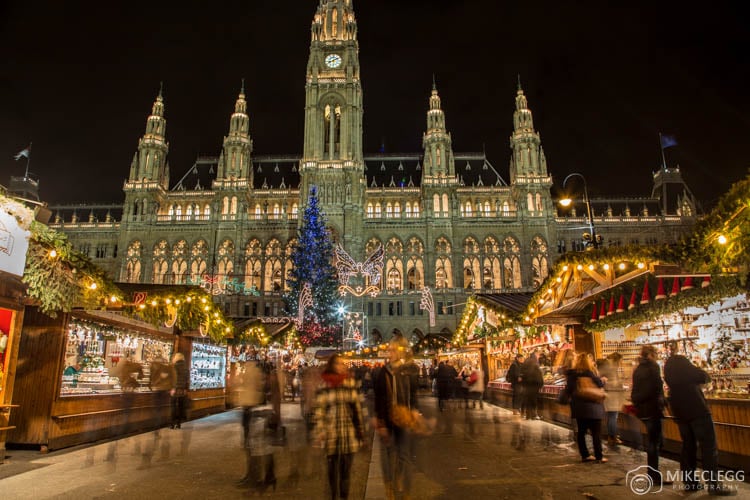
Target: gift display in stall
208, 366
103, 359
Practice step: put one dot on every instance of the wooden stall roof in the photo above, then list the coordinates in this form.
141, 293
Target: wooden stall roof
119, 319
511, 302
571, 292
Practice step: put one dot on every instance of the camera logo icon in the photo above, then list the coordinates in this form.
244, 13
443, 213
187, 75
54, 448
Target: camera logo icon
644, 479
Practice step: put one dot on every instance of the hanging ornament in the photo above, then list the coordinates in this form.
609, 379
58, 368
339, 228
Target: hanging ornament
594, 317
660, 293
603, 310
706, 281
646, 296
621, 305
611, 309
172, 312
633, 299
688, 284
675, 287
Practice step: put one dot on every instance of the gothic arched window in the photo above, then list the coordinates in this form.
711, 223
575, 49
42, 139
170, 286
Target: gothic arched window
199, 256
491, 273
161, 266
133, 266
443, 268
511, 263
539, 261
253, 265
179, 262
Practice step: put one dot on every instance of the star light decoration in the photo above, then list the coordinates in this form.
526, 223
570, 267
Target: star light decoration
371, 271
305, 300
426, 303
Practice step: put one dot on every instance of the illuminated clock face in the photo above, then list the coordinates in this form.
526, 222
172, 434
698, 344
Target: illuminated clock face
333, 60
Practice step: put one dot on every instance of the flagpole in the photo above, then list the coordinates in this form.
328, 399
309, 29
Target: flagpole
28, 160
663, 159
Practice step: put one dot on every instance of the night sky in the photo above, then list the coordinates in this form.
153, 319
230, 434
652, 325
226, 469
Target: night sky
78, 79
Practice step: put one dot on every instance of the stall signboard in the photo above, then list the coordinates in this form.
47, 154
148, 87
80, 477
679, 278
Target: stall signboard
14, 242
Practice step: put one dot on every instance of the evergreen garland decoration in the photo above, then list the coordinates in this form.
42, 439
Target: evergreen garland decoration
721, 286
702, 251
65, 278
191, 309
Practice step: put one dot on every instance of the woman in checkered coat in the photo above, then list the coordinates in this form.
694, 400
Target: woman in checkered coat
339, 423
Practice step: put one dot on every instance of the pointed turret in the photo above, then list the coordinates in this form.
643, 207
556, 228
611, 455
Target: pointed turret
234, 161
438, 153
528, 164
149, 164
528, 157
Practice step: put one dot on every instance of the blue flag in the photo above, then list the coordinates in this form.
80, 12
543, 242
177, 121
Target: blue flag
667, 141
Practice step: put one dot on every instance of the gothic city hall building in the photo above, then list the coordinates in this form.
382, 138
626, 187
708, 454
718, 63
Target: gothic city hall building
447, 220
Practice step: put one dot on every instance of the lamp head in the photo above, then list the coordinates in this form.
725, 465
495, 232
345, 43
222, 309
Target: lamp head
565, 202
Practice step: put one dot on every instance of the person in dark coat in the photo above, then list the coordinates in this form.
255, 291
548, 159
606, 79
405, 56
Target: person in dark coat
648, 398
179, 390
688, 406
513, 376
446, 376
588, 413
532, 380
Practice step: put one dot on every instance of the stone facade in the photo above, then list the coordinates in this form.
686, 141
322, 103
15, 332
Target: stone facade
448, 221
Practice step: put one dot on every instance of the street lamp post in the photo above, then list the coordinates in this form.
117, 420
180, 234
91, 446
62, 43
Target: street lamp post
567, 201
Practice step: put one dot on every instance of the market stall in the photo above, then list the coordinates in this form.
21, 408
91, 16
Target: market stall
11, 317
207, 362
623, 299
15, 221
89, 375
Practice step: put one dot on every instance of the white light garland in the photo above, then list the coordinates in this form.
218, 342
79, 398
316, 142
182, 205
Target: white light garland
428, 304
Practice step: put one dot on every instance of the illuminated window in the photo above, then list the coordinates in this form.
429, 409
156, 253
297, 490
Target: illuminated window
436, 203
377, 210
369, 210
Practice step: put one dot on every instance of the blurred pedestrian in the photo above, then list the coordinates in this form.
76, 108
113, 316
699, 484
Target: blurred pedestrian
476, 386
532, 381
446, 376
395, 395
648, 399
339, 423
247, 393
513, 377
689, 407
179, 390
609, 371
587, 411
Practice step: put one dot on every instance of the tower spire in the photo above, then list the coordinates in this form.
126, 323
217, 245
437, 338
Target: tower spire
438, 153
234, 161
528, 160
150, 163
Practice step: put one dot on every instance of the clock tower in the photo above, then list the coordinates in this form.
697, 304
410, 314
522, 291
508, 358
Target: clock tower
332, 158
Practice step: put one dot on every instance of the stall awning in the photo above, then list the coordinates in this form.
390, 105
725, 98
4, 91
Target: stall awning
511, 302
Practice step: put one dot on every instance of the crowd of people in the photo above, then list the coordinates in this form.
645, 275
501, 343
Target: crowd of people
331, 404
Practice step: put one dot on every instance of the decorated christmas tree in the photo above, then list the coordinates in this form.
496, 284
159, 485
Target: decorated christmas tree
723, 351
313, 264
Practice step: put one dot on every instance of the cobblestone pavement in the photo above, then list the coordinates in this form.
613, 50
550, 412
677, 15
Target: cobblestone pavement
474, 453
